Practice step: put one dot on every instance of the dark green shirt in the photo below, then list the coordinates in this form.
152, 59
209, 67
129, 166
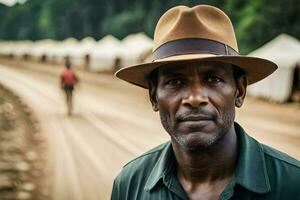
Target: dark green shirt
261, 173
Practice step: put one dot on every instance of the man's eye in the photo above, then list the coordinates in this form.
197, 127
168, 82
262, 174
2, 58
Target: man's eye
175, 82
213, 79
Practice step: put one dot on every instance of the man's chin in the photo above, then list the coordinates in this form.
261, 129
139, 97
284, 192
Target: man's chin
196, 141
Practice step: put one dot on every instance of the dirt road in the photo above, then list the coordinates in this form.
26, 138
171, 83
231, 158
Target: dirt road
113, 123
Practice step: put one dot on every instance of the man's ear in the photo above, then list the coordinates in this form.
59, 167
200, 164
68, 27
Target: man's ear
241, 85
152, 95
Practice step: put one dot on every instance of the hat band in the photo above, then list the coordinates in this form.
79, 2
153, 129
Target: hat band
192, 46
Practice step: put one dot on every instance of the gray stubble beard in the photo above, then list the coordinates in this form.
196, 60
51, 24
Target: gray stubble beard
200, 144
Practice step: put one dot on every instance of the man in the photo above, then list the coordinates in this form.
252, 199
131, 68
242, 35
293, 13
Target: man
68, 79
195, 81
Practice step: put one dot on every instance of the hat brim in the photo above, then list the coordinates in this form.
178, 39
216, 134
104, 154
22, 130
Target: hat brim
255, 68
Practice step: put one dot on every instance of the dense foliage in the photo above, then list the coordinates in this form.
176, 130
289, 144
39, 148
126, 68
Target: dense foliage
255, 21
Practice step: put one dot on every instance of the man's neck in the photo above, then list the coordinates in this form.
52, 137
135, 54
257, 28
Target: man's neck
208, 165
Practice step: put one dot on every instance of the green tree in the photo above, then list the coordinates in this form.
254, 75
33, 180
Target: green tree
255, 21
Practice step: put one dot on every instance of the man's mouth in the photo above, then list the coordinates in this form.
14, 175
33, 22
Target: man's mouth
195, 118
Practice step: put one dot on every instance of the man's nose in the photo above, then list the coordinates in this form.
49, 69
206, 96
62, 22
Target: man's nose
196, 95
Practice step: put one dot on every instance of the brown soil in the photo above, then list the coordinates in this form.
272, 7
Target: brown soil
21, 151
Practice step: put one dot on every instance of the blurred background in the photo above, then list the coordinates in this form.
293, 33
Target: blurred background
47, 154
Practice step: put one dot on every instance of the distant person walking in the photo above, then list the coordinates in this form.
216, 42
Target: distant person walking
68, 81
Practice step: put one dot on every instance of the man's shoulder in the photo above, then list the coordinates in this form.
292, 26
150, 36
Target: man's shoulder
132, 180
143, 164
270, 154
283, 171
280, 157
147, 156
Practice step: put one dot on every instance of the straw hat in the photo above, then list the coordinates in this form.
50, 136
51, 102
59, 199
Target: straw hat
200, 33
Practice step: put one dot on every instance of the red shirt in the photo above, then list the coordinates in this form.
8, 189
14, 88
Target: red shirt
68, 77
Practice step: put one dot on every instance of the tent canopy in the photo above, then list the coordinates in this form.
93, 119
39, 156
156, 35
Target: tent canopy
284, 50
134, 48
105, 53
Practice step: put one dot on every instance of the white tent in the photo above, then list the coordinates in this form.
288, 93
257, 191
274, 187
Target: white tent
14, 48
40, 49
134, 48
61, 50
103, 56
78, 54
284, 50
6, 48
20, 49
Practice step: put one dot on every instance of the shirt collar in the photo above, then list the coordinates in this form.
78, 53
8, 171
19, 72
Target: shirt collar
250, 173
162, 167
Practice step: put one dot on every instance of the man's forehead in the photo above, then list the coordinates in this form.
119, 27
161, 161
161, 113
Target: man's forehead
199, 66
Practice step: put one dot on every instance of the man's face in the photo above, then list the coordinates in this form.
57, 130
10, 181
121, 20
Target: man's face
196, 102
